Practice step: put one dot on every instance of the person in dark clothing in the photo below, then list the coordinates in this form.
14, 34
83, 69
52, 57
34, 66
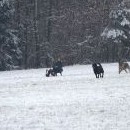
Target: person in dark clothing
57, 66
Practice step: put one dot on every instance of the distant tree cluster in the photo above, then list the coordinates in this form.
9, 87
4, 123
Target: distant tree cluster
36, 33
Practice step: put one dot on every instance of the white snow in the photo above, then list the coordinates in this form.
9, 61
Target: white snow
125, 22
74, 101
116, 13
113, 33
127, 10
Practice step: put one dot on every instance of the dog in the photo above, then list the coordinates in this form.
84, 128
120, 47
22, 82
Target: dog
98, 70
53, 72
50, 72
123, 66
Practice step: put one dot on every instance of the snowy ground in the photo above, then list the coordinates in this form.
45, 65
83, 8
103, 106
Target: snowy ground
74, 101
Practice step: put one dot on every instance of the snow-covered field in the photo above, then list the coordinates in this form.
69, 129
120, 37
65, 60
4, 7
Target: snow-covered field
74, 101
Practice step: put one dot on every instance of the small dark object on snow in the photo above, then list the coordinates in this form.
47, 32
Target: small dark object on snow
98, 70
56, 68
53, 72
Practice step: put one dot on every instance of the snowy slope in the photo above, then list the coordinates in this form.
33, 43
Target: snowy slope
74, 101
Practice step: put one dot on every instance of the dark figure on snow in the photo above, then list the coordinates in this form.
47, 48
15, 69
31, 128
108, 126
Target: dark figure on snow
50, 72
98, 70
57, 68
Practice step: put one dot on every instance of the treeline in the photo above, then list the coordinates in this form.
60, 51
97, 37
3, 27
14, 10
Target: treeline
34, 33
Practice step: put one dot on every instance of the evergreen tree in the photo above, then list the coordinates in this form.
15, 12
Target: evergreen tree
118, 30
10, 53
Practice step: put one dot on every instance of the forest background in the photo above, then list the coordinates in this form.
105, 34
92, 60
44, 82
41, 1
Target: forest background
34, 33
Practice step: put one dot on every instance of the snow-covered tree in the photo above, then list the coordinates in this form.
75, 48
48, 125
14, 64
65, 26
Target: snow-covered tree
118, 30
10, 53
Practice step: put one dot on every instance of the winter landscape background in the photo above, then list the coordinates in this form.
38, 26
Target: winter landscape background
34, 34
